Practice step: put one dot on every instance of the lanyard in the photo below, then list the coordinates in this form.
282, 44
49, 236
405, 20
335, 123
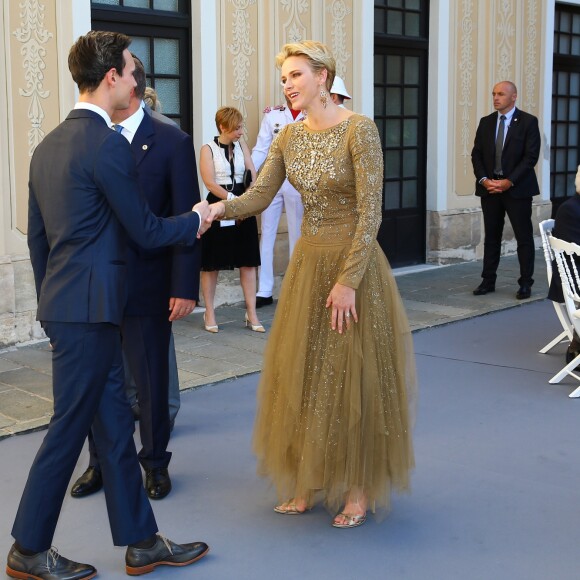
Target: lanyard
232, 164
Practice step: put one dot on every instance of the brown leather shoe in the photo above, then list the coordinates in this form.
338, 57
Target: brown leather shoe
163, 553
47, 565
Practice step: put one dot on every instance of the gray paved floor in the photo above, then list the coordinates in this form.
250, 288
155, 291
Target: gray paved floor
432, 297
495, 490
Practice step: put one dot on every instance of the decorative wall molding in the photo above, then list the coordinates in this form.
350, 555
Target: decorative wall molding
505, 33
339, 12
466, 67
33, 37
241, 49
294, 28
531, 67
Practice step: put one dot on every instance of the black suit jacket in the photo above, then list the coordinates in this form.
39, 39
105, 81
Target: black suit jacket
519, 156
167, 174
84, 201
567, 228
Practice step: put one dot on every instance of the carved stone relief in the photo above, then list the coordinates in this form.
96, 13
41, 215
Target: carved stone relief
339, 38
465, 84
241, 50
32, 83
293, 27
33, 37
531, 58
505, 31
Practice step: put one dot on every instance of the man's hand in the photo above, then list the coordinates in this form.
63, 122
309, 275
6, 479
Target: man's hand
503, 184
203, 208
216, 211
494, 186
180, 307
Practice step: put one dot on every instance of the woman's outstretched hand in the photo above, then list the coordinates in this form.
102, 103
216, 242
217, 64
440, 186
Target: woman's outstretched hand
341, 298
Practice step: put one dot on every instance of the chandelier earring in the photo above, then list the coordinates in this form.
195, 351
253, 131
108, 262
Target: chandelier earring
323, 98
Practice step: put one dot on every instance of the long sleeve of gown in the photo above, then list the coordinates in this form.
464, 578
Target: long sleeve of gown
270, 179
367, 158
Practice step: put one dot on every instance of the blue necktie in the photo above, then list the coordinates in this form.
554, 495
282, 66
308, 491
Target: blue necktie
118, 128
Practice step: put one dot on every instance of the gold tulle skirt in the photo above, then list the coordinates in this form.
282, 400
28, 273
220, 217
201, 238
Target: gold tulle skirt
335, 411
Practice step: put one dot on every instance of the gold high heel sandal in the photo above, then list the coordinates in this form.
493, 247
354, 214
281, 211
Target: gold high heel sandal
213, 329
254, 327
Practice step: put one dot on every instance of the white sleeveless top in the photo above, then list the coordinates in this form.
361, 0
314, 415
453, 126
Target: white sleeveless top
222, 167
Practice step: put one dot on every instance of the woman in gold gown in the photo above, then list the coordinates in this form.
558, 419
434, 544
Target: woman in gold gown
338, 385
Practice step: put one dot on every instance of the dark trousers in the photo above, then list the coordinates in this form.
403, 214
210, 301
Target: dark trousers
145, 346
519, 211
88, 389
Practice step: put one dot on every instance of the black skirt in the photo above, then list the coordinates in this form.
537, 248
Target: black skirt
229, 247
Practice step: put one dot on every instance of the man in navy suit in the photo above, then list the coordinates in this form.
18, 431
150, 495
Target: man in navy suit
163, 284
505, 152
84, 205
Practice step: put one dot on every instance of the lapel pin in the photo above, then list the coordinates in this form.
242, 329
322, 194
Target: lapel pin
145, 147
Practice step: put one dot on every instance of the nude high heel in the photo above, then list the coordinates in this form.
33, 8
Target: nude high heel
212, 329
254, 327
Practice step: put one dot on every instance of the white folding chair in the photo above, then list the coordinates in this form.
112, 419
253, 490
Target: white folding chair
566, 255
546, 228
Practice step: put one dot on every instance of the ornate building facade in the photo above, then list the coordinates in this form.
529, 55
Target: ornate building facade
423, 69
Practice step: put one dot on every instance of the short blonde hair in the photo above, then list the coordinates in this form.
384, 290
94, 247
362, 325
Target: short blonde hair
228, 118
318, 55
151, 99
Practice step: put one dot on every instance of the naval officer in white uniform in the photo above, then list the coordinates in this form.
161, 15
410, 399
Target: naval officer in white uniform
338, 92
287, 198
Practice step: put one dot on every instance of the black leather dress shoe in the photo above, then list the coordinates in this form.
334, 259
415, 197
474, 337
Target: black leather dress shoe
157, 482
47, 565
163, 553
524, 292
88, 483
263, 301
483, 289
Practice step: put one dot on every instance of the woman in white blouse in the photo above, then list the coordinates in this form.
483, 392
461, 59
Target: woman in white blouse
228, 244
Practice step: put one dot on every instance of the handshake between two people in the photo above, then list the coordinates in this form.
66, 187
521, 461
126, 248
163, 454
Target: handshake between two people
208, 213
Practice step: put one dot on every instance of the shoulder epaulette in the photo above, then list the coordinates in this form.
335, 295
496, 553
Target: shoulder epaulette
267, 110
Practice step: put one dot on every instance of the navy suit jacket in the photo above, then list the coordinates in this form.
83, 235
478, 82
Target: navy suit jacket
520, 154
167, 174
84, 202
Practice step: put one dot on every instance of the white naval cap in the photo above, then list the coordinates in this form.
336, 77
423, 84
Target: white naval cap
339, 88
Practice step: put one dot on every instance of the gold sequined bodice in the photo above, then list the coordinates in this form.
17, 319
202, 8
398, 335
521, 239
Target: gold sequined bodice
339, 174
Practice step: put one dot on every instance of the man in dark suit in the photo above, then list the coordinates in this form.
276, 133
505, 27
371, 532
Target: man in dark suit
505, 152
84, 203
567, 228
163, 284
